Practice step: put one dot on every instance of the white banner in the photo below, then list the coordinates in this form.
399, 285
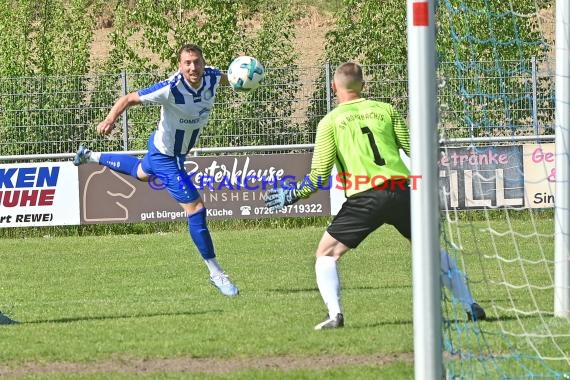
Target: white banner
539, 175
39, 194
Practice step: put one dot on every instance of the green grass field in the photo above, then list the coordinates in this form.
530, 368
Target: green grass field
107, 300
132, 306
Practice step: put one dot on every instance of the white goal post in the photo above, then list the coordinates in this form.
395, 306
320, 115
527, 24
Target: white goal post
423, 123
422, 89
562, 200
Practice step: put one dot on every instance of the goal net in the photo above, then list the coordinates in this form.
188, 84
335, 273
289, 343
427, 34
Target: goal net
497, 183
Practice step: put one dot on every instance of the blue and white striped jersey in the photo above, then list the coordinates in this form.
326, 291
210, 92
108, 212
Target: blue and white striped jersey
185, 111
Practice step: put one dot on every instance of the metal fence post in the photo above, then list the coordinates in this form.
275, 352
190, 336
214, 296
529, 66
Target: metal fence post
124, 90
534, 95
328, 85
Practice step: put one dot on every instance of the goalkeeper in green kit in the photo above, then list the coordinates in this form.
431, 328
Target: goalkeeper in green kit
363, 138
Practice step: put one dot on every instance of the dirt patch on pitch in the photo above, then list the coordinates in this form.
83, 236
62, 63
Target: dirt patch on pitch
203, 366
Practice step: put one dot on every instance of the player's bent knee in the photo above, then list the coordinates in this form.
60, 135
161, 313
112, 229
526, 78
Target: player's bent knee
329, 246
141, 175
193, 207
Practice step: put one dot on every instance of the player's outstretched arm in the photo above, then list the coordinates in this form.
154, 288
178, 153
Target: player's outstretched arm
124, 102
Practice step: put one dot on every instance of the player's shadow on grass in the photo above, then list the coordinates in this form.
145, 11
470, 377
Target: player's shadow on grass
451, 322
382, 324
5, 320
125, 316
315, 289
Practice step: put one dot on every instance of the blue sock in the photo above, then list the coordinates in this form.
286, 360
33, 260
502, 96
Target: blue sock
198, 229
120, 162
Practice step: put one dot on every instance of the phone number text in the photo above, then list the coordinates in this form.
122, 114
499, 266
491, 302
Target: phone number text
311, 208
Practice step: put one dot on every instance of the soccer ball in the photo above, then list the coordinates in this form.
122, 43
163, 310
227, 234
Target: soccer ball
245, 73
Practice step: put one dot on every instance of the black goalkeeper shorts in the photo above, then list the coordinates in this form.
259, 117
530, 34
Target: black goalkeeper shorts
364, 212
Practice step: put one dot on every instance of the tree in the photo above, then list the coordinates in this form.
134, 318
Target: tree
41, 45
484, 47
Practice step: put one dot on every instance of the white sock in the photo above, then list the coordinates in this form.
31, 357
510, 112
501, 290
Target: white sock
329, 283
94, 157
213, 266
454, 280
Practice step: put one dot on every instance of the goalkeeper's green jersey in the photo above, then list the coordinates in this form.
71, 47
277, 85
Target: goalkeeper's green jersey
362, 137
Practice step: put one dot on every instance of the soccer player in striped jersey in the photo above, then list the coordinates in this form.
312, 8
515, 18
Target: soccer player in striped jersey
186, 99
363, 137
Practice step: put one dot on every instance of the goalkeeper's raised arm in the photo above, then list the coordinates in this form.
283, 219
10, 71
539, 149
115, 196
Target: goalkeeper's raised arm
323, 160
321, 167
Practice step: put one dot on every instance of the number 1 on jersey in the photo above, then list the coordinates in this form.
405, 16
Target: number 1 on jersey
378, 160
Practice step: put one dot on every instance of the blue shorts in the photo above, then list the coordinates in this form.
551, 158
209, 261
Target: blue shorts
167, 172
